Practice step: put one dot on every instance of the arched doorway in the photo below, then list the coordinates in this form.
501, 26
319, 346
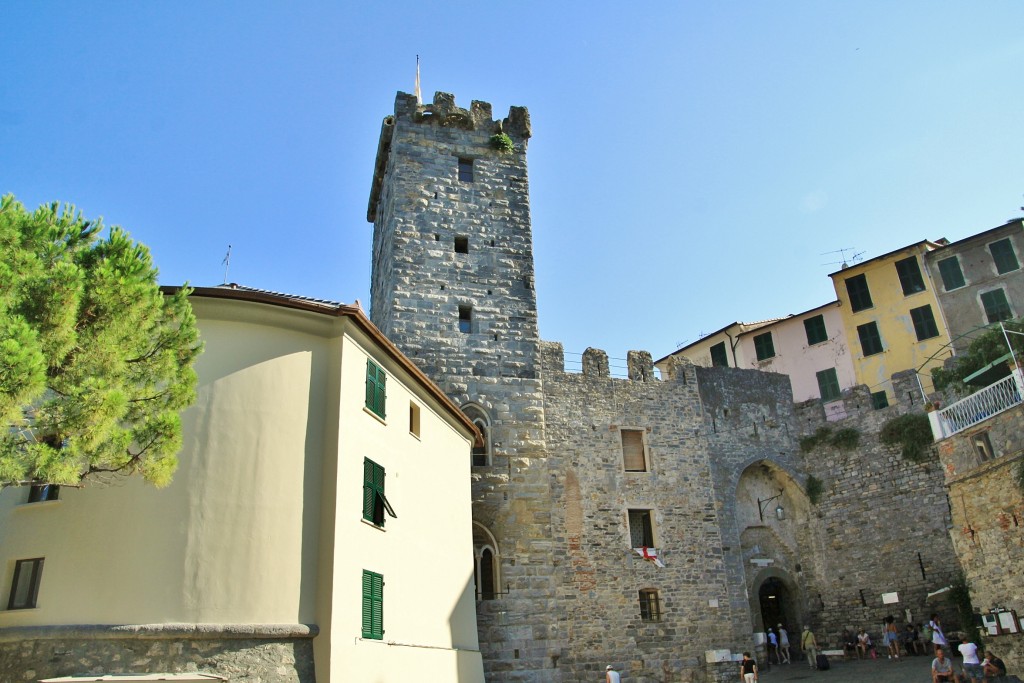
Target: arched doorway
776, 603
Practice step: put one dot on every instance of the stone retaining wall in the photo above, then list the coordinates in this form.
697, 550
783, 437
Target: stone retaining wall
242, 653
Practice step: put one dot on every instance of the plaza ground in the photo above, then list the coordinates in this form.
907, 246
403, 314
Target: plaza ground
905, 670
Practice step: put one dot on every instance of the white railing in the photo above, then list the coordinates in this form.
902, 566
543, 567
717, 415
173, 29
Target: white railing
993, 399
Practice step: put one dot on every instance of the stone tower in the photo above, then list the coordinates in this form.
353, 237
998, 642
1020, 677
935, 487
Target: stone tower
453, 288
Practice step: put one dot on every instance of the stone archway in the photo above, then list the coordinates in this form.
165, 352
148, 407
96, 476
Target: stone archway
778, 602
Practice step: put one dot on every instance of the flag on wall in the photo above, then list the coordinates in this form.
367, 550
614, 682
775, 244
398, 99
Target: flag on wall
650, 554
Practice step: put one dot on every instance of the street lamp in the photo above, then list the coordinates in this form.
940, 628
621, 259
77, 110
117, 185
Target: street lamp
780, 512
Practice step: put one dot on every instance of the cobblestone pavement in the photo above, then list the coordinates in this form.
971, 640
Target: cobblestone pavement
906, 670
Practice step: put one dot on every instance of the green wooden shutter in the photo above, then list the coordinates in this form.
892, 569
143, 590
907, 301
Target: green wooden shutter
381, 394
376, 381
369, 495
373, 605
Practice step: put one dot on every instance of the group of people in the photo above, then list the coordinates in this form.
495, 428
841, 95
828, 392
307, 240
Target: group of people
991, 668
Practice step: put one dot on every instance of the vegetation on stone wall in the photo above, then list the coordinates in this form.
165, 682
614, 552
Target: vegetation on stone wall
912, 433
843, 439
814, 489
982, 351
960, 596
502, 142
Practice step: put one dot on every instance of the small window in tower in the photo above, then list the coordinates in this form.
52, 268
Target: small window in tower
982, 446
465, 319
466, 170
641, 531
650, 605
461, 244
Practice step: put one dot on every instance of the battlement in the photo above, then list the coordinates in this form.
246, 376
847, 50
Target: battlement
444, 112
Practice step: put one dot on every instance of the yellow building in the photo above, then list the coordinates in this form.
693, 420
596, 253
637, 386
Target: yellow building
318, 527
892, 317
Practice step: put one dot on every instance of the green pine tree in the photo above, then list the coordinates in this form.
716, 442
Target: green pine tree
95, 362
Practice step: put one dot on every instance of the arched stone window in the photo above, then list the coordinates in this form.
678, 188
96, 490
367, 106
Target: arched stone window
486, 565
481, 454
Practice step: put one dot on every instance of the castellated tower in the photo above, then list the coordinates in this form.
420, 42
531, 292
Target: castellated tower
453, 288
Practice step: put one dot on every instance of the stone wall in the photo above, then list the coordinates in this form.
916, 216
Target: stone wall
988, 518
243, 654
882, 522
600, 574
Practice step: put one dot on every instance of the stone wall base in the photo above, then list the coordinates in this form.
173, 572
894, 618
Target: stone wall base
262, 653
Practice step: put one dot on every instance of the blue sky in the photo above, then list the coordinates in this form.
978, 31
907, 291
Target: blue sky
692, 163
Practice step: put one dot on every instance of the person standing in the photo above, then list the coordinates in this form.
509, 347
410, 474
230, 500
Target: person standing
972, 665
773, 646
938, 637
810, 645
748, 669
891, 637
784, 644
611, 675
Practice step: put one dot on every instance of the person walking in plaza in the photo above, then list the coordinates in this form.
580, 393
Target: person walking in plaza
972, 665
611, 675
942, 668
773, 646
810, 646
783, 644
891, 637
748, 669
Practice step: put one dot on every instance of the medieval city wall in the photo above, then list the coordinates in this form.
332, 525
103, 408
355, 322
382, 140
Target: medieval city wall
883, 520
600, 574
748, 421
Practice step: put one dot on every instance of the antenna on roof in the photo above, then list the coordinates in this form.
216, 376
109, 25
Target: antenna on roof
226, 263
844, 262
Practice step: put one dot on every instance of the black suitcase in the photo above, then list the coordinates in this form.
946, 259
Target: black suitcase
823, 664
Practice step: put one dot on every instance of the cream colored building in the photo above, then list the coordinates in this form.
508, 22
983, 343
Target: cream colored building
276, 545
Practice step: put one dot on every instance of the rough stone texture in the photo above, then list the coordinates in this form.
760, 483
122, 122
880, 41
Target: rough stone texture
721, 448
600, 575
248, 654
882, 523
988, 519
420, 280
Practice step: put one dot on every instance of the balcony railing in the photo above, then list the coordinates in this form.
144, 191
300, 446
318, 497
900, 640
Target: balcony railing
993, 399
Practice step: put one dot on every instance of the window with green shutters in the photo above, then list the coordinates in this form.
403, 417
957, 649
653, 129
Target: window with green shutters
828, 384
1003, 255
952, 276
924, 323
375, 503
910, 276
860, 296
376, 379
870, 340
815, 329
879, 400
373, 605
763, 346
996, 306
719, 358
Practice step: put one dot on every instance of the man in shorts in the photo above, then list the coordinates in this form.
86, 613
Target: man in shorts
972, 665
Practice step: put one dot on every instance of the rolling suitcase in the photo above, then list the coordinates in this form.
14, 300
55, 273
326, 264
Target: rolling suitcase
822, 661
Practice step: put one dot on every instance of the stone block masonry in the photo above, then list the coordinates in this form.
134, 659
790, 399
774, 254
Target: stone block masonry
882, 522
244, 653
981, 468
